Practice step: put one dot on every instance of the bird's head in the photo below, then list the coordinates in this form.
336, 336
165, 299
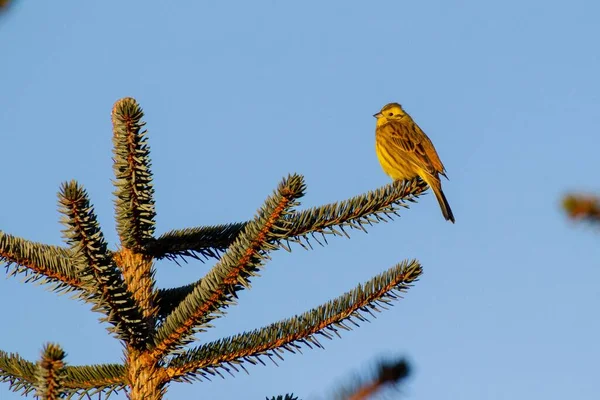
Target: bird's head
389, 112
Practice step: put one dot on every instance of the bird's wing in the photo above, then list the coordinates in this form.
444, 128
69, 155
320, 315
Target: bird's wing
409, 137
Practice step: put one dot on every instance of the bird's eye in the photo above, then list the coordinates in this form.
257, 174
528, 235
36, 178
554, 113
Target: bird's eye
391, 114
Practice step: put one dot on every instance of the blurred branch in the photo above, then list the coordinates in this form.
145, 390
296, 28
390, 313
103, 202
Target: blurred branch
582, 207
286, 397
386, 374
4, 4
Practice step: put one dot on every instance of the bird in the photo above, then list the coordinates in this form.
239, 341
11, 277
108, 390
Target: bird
405, 152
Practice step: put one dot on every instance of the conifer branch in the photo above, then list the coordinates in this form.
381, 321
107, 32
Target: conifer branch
95, 267
39, 262
134, 194
104, 378
198, 243
217, 290
388, 374
51, 372
372, 207
18, 372
77, 381
355, 213
153, 324
4, 5
326, 321
582, 207
289, 396
379, 205
169, 299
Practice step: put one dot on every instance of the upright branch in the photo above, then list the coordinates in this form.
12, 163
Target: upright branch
134, 203
96, 268
51, 373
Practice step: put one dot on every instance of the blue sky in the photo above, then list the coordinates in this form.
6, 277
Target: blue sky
239, 94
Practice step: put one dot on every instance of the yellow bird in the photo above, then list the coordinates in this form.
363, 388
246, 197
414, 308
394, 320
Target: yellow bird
405, 152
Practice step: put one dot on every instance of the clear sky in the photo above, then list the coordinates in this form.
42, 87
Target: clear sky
239, 94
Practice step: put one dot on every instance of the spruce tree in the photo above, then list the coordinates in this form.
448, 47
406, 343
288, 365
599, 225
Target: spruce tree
157, 327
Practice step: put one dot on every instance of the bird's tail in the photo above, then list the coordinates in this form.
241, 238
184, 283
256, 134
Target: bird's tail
436, 186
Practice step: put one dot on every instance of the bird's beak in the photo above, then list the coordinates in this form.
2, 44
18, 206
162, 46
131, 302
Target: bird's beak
378, 115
